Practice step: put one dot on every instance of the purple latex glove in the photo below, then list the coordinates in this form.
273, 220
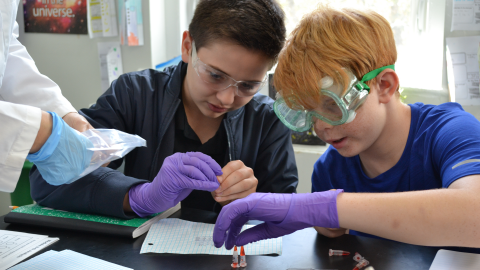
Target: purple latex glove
180, 174
283, 214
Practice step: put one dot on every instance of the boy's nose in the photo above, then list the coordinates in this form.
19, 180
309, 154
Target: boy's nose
227, 96
319, 125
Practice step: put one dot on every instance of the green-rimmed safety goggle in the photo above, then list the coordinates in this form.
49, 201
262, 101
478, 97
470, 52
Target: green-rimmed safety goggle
334, 108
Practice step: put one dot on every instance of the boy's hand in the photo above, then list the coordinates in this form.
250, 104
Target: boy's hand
237, 181
283, 214
179, 175
330, 232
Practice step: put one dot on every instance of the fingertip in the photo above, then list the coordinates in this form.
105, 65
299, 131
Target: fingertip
228, 246
210, 186
242, 241
209, 160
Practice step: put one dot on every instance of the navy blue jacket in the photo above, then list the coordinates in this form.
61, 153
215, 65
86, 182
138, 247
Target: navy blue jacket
144, 103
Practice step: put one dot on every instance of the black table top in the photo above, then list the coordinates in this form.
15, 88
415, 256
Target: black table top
302, 249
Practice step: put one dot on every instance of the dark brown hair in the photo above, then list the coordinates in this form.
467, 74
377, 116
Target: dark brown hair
253, 24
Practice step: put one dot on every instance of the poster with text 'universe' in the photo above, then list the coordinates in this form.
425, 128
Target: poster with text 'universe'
55, 16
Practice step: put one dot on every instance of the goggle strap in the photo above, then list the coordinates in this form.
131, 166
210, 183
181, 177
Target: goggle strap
372, 74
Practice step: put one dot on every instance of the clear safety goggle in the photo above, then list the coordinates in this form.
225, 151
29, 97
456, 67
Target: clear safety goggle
334, 109
220, 81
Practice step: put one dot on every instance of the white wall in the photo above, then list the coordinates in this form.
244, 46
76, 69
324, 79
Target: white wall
72, 60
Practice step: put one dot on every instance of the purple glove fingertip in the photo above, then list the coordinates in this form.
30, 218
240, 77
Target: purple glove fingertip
198, 169
209, 160
254, 234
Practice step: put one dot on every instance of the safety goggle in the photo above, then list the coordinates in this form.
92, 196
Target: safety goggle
220, 81
335, 108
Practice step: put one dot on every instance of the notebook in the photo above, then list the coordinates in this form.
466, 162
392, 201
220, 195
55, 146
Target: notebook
178, 236
66, 260
37, 215
447, 260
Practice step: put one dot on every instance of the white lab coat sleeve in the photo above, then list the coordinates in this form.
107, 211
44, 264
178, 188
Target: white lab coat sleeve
24, 84
19, 128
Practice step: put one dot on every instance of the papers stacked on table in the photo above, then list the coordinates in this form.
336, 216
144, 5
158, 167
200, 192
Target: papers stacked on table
66, 260
16, 246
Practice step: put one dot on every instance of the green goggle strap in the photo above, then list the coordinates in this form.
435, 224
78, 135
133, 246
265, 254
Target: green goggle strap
372, 74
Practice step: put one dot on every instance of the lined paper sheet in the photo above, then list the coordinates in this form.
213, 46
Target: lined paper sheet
17, 246
447, 260
178, 236
66, 260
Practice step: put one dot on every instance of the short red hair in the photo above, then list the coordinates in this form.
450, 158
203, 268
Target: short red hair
327, 40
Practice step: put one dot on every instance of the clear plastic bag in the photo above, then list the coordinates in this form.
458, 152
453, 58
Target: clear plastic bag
109, 145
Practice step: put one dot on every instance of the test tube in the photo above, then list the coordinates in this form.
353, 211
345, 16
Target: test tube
243, 260
235, 258
361, 264
332, 252
357, 257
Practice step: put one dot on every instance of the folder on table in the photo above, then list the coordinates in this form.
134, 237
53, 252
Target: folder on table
447, 259
37, 215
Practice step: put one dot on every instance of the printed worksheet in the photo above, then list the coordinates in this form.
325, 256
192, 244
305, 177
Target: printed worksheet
102, 19
111, 68
16, 246
463, 69
173, 235
466, 15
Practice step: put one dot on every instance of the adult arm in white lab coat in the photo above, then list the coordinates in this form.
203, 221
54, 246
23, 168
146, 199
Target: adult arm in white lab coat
19, 128
23, 84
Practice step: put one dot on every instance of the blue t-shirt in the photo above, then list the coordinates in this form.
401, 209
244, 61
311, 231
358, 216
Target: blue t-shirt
440, 139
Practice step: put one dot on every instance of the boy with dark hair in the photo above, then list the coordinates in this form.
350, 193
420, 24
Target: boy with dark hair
227, 139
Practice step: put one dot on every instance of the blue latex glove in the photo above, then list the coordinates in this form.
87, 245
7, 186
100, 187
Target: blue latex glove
64, 156
283, 214
180, 174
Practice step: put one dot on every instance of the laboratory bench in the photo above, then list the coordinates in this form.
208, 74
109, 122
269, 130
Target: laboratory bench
302, 249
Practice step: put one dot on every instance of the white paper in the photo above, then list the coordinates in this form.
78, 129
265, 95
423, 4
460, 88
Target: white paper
109, 18
114, 63
173, 235
94, 18
104, 48
16, 246
463, 71
102, 21
134, 22
65, 260
122, 22
447, 260
465, 15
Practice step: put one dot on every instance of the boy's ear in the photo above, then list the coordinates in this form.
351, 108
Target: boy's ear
387, 82
186, 46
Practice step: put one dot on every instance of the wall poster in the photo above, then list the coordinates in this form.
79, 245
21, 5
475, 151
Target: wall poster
55, 16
